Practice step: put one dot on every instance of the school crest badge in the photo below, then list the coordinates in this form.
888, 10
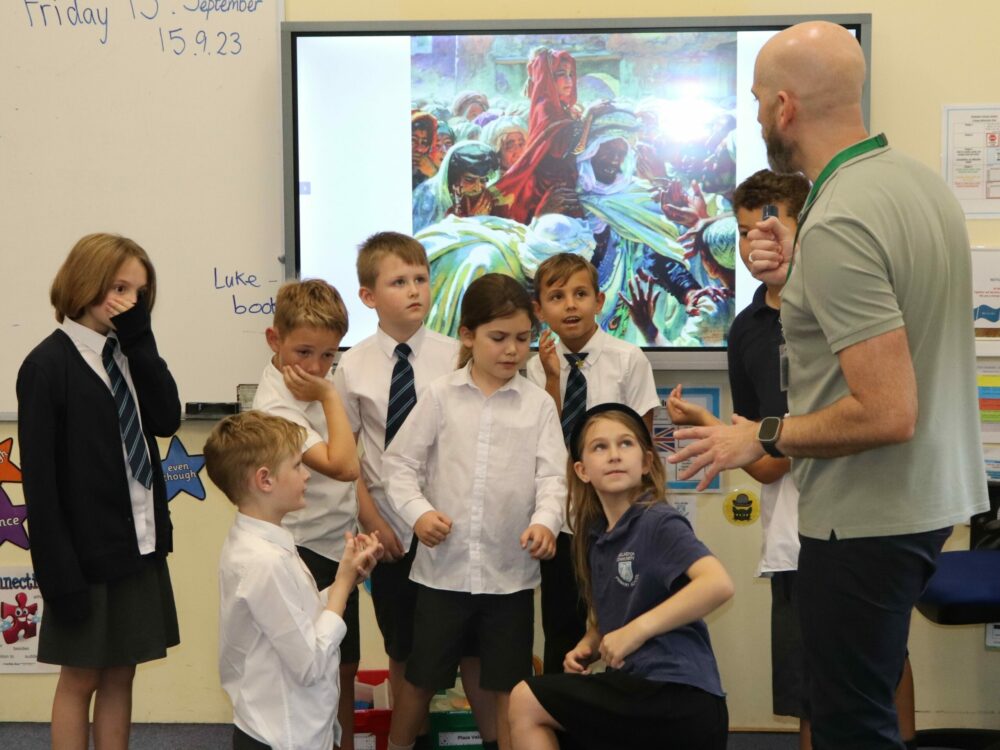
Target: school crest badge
625, 570
626, 575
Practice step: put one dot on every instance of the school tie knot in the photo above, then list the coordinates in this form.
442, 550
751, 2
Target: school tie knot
108, 353
402, 392
128, 418
575, 400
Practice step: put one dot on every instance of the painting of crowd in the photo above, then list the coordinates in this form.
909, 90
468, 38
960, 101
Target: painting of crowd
616, 147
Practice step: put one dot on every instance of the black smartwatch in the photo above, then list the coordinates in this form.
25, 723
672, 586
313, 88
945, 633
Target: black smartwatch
768, 433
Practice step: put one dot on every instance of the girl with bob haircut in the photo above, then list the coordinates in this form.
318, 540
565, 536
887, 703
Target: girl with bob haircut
92, 397
648, 582
478, 471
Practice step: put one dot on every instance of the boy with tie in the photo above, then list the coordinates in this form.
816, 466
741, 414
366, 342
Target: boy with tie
585, 367
380, 380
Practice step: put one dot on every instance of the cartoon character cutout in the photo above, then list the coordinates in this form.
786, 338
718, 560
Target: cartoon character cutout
18, 619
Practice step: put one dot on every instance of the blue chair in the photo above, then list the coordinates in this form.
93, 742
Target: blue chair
965, 590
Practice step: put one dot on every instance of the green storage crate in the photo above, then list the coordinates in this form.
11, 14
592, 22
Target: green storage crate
454, 729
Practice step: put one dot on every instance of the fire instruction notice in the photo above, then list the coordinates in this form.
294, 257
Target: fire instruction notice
971, 157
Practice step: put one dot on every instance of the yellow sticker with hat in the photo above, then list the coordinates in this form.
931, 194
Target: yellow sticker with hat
741, 507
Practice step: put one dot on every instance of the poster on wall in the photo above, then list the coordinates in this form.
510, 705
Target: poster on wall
971, 155
20, 618
986, 292
666, 444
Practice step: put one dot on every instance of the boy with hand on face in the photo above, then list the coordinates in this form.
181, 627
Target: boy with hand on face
580, 366
310, 319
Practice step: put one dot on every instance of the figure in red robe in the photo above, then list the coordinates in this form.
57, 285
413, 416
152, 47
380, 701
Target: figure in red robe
543, 180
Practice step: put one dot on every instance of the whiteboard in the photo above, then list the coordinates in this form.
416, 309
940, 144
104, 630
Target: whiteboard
159, 120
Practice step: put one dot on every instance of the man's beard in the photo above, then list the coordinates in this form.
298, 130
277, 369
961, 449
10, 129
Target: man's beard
780, 155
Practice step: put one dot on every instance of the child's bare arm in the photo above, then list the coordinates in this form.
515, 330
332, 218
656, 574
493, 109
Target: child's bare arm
338, 457
709, 588
685, 412
373, 523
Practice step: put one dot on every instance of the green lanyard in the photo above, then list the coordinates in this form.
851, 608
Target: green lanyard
851, 152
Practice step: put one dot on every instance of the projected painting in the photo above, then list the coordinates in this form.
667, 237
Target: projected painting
615, 146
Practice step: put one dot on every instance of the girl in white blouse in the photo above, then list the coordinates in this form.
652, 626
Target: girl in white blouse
478, 471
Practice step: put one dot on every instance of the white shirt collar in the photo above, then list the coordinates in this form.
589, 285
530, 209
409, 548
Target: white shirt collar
267, 531
463, 376
88, 337
388, 344
592, 349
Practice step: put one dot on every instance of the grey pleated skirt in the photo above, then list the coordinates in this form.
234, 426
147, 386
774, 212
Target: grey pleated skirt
131, 620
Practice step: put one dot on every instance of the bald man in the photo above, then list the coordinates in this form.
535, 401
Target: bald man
880, 366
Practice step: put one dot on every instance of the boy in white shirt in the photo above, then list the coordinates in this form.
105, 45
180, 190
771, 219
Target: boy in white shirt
394, 280
309, 321
279, 637
583, 368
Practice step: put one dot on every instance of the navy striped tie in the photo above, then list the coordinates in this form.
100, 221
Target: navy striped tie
575, 400
402, 393
128, 418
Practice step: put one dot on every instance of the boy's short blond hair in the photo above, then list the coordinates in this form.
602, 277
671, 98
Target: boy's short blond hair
242, 443
378, 246
313, 303
86, 275
558, 268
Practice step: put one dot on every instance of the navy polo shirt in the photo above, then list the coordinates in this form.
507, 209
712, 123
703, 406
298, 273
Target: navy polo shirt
754, 371
636, 566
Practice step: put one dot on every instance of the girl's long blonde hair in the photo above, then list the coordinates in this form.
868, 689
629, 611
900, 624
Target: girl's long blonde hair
584, 507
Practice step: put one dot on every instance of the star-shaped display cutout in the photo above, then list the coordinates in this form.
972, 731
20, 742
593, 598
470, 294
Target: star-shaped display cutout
9, 472
180, 470
12, 519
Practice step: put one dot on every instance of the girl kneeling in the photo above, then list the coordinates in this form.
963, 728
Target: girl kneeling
648, 582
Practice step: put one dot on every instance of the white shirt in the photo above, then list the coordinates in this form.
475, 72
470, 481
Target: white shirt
331, 506
279, 647
779, 519
494, 465
616, 372
362, 378
90, 344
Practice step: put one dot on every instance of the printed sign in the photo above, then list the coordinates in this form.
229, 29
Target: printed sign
20, 618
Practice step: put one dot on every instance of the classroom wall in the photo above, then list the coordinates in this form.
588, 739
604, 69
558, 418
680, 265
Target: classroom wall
922, 58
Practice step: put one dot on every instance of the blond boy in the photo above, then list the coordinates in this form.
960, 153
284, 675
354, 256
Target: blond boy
380, 380
279, 637
309, 321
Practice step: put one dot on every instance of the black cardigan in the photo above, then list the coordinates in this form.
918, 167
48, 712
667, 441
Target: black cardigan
75, 483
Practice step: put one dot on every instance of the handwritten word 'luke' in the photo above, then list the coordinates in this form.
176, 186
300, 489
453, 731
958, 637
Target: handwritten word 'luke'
238, 278
51, 14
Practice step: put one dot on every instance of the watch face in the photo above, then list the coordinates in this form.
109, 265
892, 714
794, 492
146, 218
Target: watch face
769, 429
